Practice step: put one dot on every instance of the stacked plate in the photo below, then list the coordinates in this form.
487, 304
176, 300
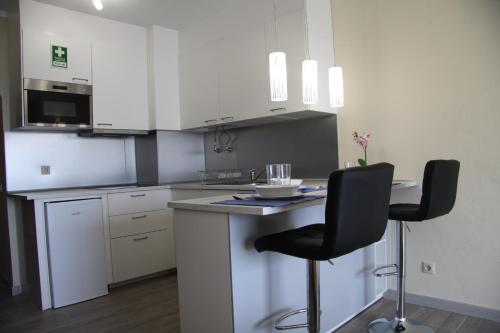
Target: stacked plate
279, 191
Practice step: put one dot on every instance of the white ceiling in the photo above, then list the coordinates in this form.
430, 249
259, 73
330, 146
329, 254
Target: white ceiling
173, 14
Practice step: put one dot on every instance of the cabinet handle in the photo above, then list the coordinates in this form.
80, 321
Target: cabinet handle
137, 195
277, 109
139, 217
80, 79
104, 124
76, 213
227, 118
210, 120
140, 238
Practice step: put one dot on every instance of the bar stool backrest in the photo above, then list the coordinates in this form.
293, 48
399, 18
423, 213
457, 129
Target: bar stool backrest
357, 208
439, 188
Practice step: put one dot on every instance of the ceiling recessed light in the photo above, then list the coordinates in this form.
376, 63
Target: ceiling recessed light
97, 4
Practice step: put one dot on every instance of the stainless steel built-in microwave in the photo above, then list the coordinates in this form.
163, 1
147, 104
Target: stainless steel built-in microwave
50, 105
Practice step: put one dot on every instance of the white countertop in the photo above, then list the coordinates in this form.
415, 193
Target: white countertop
100, 191
205, 204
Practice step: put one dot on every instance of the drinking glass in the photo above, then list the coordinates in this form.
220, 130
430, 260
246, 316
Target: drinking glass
279, 174
349, 164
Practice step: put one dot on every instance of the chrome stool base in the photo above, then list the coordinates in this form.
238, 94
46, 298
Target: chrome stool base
278, 326
390, 326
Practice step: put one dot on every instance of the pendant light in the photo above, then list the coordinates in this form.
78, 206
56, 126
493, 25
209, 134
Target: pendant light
277, 68
336, 85
336, 82
97, 4
309, 71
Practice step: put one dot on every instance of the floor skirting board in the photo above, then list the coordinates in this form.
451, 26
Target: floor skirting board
452, 306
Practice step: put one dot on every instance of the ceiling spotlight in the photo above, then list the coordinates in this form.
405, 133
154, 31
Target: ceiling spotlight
97, 4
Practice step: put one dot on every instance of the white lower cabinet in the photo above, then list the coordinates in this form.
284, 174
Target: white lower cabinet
143, 254
141, 230
142, 233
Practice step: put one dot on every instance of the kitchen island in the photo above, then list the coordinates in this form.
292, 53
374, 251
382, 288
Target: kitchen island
226, 286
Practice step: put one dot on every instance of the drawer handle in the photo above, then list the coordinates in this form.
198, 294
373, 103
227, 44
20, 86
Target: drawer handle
139, 217
277, 109
137, 195
104, 124
210, 121
140, 239
80, 79
227, 118
76, 213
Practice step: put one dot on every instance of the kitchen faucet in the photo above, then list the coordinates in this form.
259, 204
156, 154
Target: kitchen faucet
254, 177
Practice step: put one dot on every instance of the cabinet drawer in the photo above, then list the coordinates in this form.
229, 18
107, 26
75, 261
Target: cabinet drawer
143, 254
140, 201
138, 223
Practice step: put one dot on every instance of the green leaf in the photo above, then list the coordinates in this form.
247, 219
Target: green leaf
361, 162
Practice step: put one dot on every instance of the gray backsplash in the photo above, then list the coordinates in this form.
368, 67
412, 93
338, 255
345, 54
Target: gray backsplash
74, 161
310, 145
169, 157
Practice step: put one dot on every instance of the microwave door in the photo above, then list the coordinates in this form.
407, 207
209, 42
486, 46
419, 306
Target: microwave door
57, 109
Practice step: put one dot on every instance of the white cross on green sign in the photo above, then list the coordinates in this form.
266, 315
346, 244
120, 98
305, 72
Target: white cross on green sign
59, 56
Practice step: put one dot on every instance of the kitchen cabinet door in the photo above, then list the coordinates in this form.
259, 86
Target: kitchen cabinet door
199, 86
120, 86
244, 85
141, 255
38, 60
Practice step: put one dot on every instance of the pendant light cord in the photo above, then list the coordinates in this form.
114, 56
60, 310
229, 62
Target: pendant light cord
333, 35
307, 31
275, 25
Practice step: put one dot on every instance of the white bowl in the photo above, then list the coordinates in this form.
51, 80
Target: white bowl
279, 191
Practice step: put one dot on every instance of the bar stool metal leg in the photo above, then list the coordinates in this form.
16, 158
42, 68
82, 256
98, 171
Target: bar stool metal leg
313, 303
400, 323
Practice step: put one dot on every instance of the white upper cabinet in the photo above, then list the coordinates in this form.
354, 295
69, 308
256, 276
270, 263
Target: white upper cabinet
199, 87
163, 64
120, 91
242, 64
47, 56
226, 79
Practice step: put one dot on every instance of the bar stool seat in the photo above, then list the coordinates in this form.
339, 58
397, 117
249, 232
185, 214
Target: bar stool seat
405, 212
357, 208
305, 242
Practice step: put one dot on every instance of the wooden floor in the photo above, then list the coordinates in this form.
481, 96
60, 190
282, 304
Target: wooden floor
152, 306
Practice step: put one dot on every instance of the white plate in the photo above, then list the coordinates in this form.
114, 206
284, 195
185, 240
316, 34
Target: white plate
296, 195
276, 191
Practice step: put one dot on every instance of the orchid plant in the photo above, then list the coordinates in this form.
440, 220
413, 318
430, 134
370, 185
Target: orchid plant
362, 140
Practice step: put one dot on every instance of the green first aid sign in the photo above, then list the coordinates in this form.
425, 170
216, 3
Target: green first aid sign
59, 56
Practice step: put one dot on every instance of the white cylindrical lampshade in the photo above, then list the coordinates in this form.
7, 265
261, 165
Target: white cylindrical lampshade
310, 82
336, 84
278, 77
97, 4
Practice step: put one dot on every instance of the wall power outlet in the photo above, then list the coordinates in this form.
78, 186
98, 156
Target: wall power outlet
45, 170
428, 268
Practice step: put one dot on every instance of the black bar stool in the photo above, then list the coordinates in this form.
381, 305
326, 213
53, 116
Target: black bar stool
356, 214
439, 189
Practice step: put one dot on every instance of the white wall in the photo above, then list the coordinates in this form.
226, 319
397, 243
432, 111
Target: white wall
424, 77
74, 161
